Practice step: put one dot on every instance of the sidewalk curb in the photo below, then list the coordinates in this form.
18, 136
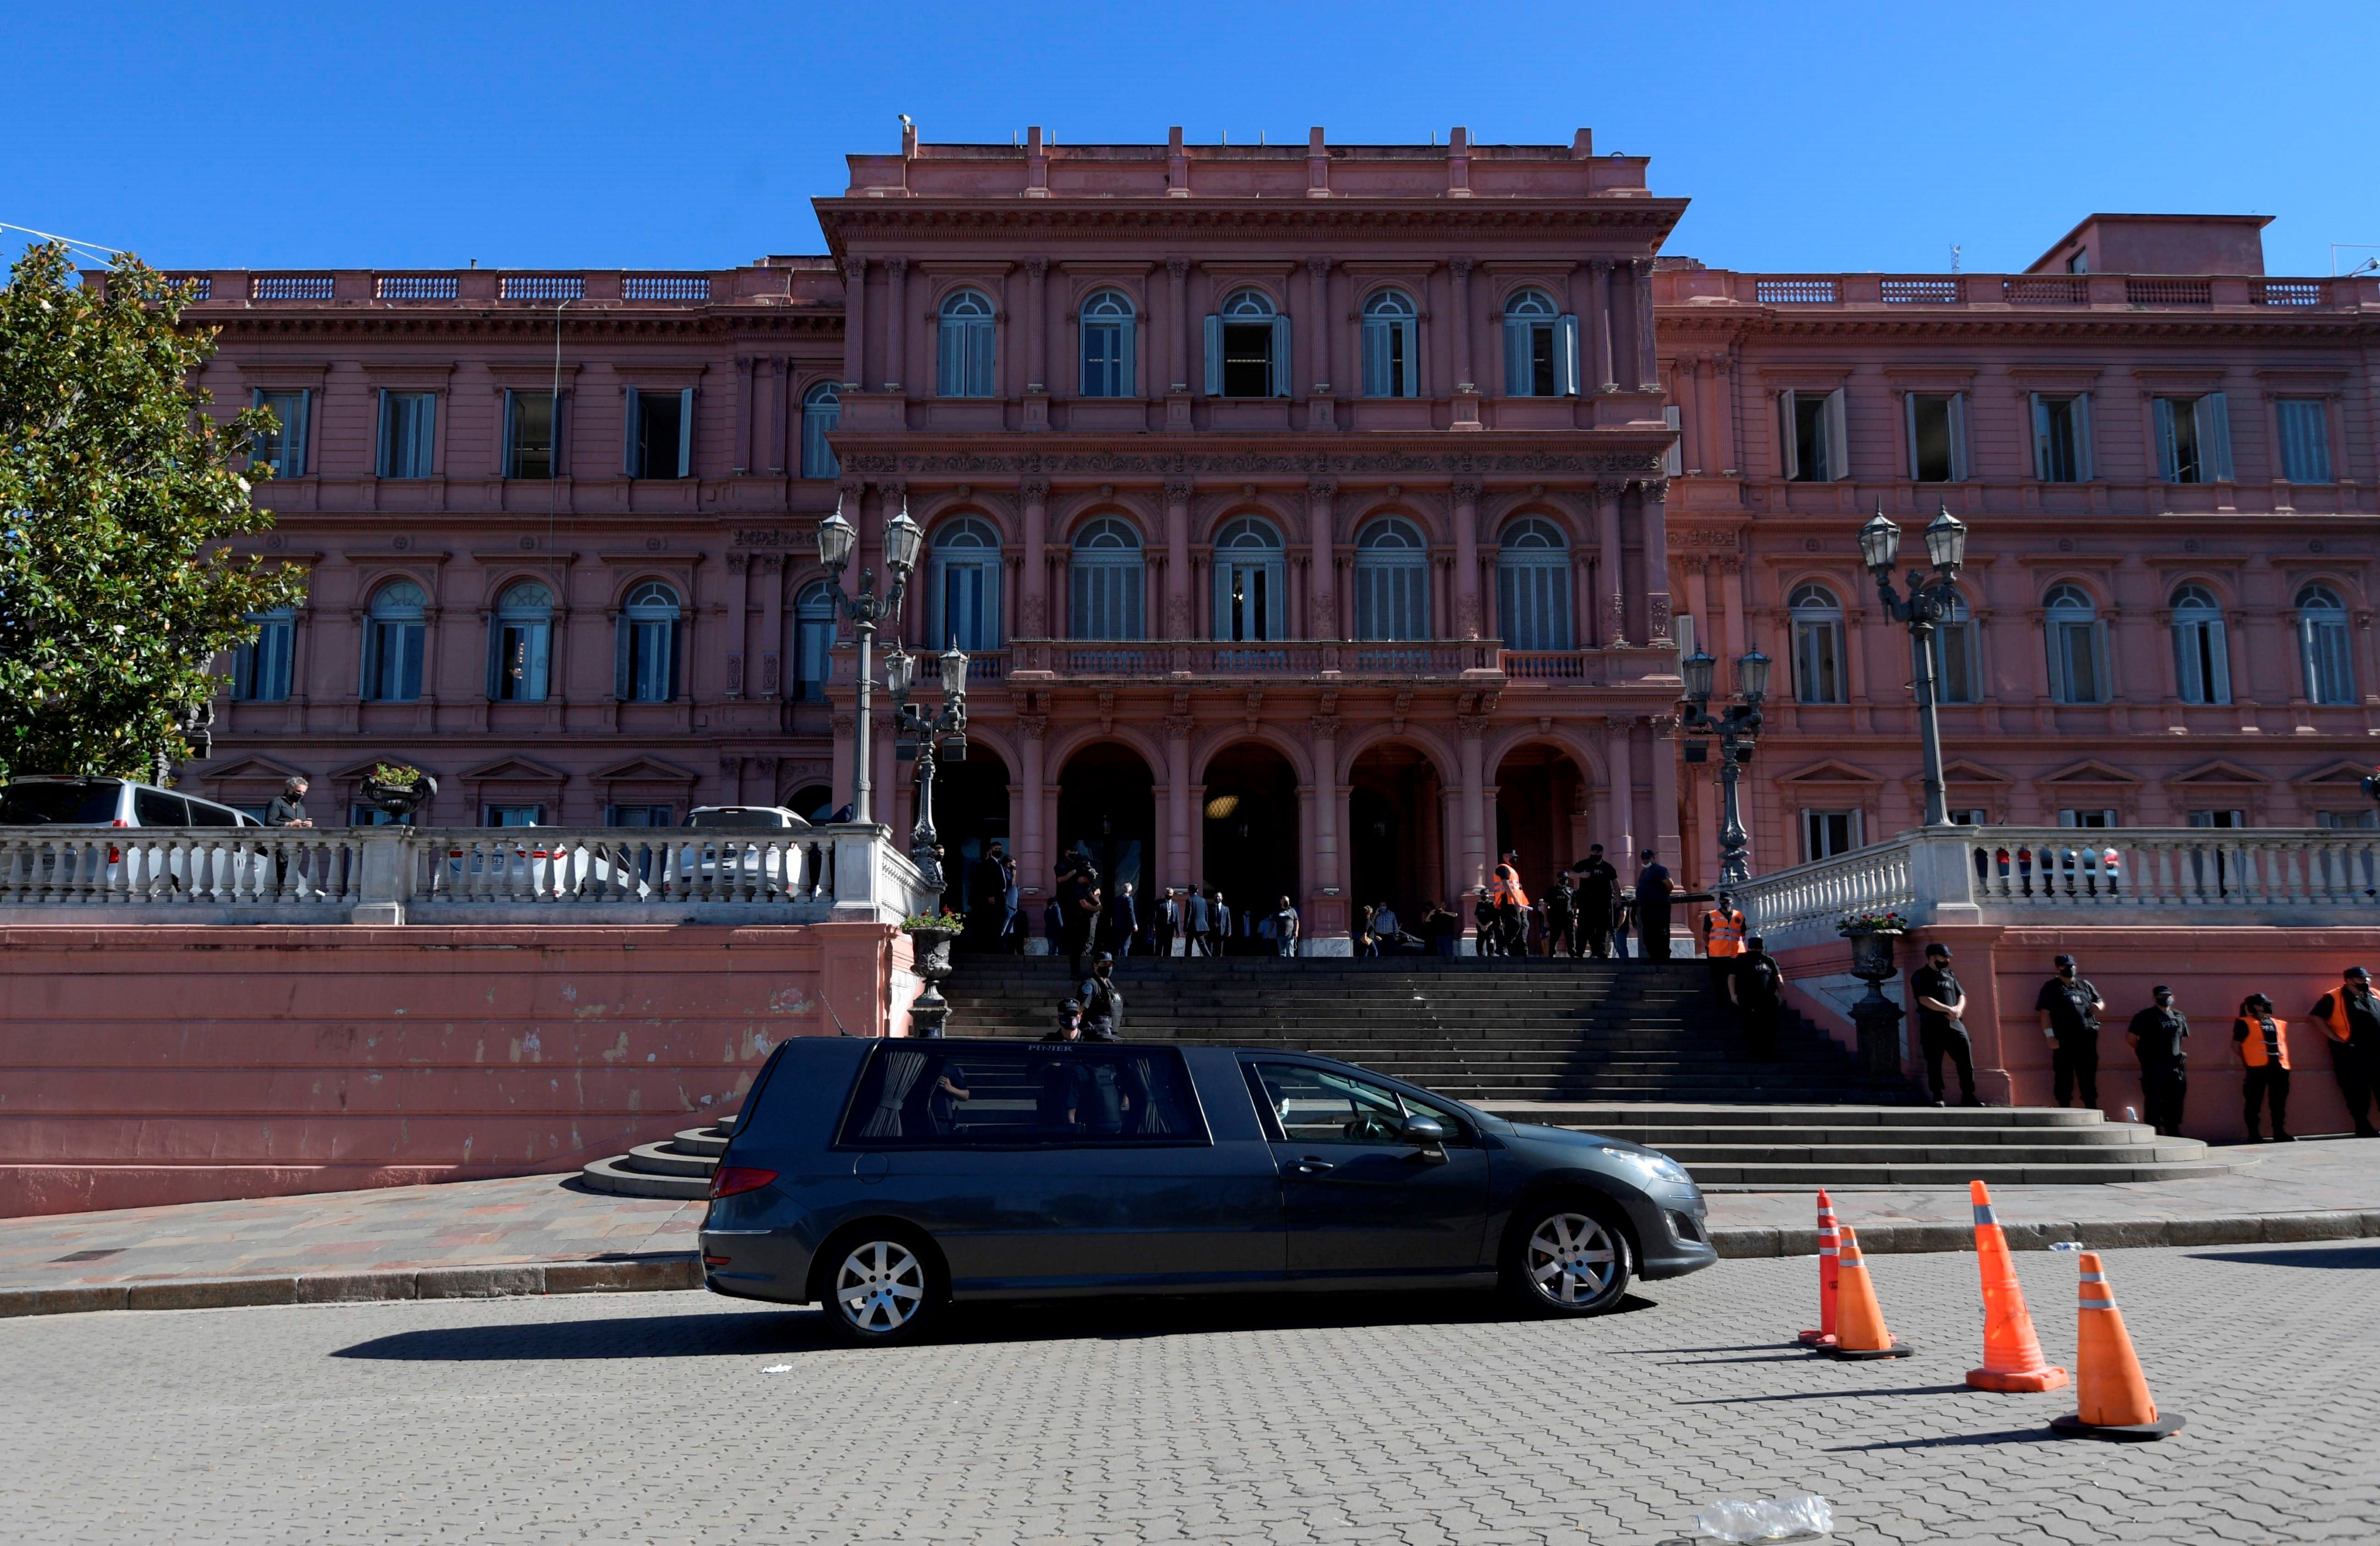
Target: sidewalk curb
1757, 1241
649, 1275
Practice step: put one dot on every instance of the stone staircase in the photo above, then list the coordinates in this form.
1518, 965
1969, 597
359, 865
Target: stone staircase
678, 1167
1730, 1147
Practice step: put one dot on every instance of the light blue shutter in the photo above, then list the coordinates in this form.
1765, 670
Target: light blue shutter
631, 462
304, 423
1128, 336
2083, 472
1566, 355
1958, 437
1282, 385
950, 365
1408, 330
1378, 351
1787, 443
686, 433
2215, 436
621, 687
1516, 356
2041, 453
1214, 355
2169, 456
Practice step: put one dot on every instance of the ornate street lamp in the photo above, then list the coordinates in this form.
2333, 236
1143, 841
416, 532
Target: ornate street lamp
1738, 727
1928, 606
944, 732
835, 541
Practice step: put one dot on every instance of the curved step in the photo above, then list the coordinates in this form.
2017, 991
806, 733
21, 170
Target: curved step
612, 1175
656, 1158
700, 1140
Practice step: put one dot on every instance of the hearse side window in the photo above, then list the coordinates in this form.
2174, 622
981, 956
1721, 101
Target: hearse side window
1316, 1105
928, 1096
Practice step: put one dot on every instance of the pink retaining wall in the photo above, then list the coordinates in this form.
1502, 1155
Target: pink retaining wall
2210, 972
154, 1064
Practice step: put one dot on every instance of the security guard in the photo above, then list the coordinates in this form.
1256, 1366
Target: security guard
1102, 1006
2264, 1044
1942, 1025
2156, 1034
1723, 933
2070, 1019
2351, 1016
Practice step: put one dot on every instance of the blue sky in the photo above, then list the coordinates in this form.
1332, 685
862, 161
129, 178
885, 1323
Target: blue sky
1809, 135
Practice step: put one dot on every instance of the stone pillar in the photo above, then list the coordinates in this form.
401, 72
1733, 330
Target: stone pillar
854, 324
739, 624
770, 682
1666, 838
1330, 815
772, 438
1450, 829
1612, 564
1653, 532
747, 408
1180, 810
896, 318
1177, 320
1473, 869
1619, 739
1032, 612
1177, 559
1033, 855
845, 725
1466, 560
1321, 528
1318, 329
1464, 379
1037, 324
1648, 368
1601, 316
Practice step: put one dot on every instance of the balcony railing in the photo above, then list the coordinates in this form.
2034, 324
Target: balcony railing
2136, 876
1278, 659
2115, 291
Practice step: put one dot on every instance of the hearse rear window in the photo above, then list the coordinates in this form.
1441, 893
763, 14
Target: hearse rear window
926, 1095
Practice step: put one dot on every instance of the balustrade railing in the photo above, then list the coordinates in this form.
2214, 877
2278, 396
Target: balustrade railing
1259, 658
179, 867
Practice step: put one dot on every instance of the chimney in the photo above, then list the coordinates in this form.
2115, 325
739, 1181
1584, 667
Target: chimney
1177, 166
1458, 164
1582, 145
1318, 165
1037, 164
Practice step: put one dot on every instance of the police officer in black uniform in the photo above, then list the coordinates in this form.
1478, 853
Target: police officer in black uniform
2156, 1034
1102, 1004
1941, 1023
2070, 1019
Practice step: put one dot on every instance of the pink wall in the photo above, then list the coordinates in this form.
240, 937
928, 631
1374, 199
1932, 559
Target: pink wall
153, 1065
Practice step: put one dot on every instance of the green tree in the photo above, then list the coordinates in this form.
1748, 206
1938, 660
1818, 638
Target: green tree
117, 500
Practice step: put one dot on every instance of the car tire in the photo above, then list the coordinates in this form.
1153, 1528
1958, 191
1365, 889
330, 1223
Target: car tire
882, 1285
1568, 1256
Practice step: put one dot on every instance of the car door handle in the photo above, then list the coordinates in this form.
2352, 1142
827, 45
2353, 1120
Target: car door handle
1312, 1166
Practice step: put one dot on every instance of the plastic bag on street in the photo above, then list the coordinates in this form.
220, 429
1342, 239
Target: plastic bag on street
1803, 1517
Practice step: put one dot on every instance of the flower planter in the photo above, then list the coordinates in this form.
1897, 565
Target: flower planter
1872, 956
932, 956
399, 801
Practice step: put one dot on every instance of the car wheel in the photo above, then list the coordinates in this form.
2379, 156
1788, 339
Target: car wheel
1568, 1257
883, 1287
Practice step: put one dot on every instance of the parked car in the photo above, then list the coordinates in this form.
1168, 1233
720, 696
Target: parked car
774, 818
64, 800
56, 805
886, 1179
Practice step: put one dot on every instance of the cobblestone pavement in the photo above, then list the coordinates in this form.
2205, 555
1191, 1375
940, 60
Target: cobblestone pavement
1409, 1419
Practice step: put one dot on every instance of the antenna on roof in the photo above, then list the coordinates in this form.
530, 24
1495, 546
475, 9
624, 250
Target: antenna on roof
1954, 257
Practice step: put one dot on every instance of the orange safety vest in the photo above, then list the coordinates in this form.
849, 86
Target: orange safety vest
1725, 932
1507, 887
2251, 1050
2336, 1021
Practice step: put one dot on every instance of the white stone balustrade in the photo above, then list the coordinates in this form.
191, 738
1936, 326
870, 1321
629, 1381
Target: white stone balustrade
2130, 876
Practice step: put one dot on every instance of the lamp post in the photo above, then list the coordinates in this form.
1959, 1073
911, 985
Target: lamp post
1928, 606
945, 729
1738, 727
835, 540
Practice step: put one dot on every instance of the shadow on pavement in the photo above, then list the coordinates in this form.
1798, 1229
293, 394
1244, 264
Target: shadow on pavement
1832, 1396
726, 1332
2366, 1257
2041, 1435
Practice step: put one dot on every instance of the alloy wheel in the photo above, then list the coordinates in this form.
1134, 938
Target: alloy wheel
1571, 1259
879, 1287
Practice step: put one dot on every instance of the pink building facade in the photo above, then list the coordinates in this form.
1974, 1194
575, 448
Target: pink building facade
1320, 521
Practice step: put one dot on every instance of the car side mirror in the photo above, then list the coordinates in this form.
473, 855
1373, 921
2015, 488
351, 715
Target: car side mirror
1426, 1134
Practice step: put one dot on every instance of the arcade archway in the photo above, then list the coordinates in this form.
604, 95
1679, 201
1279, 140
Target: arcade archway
1540, 812
970, 815
1396, 853
1106, 810
1251, 831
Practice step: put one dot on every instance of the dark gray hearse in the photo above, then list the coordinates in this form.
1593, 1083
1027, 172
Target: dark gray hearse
887, 1178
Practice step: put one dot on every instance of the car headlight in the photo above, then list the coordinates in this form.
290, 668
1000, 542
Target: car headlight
1656, 1167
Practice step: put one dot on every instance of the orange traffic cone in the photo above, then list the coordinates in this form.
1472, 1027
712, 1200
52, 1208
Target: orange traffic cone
2012, 1359
1859, 1321
2111, 1396
1829, 1262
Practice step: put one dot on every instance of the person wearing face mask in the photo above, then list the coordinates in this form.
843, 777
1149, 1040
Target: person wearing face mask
1102, 1004
2157, 1035
2351, 1014
2264, 1046
2069, 1009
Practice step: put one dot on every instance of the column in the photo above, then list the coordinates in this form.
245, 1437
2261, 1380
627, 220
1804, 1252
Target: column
1464, 381
1473, 869
1322, 608
747, 406
1450, 846
1177, 560
1729, 644
1033, 856
1466, 560
1653, 532
1648, 369
844, 724
1032, 612
740, 623
1599, 316
1178, 804
1666, 841
773, 625
1318, 329
1612, 564
1037, 328
896, 317
1581, 600
772, 401
855, 318
1619, 743
1177, 319
1329, 814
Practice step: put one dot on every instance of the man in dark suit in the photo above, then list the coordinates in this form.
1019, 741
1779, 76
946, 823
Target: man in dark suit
1598, 897
1123, 921
1653, 890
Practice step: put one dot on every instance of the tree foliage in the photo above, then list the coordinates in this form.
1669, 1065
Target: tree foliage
117, 500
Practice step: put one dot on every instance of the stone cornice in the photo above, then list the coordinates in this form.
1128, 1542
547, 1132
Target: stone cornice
419, 321
1681, 324
1059, 461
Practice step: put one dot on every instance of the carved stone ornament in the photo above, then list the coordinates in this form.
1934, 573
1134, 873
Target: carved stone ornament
1029, 488
1472, 726
1033, 726
1179, 726
844, 724
1241, 465
1465, 491
1179, 490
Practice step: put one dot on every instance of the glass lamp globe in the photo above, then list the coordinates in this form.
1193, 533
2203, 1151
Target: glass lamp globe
954, 664
900, 671
903, 540
1752, 676
835, 539
1697, 668
1879, 543
1946, 543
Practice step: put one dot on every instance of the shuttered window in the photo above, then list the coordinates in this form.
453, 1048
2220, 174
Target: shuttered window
1533, 588
964, 365
1109, 582
1391, 581
1391, 346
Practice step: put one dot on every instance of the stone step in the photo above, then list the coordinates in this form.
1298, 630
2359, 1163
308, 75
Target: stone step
1798, 1177
613, 1175
1595, 1114
1666, 1139
700, 1140
659, 1158
1696, 1155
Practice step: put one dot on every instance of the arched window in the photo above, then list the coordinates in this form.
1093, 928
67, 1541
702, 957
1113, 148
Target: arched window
967, 346
1250, 572
2323, 645
645, 657
821, 412
1817, 645
393, 641
1108, 335
1248, 348
1958, 656
1108, 584
1391, 581
963, 571
520, 639
1540, 348
2201, 658
2078, 647
1533, 585
260, 669
1391, 346
813, 642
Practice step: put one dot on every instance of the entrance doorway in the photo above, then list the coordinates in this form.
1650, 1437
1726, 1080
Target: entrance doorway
970, 815
1106, 810
1541, 812
1251, 836
1395, 806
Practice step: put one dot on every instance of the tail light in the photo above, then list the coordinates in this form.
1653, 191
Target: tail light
728, 1180
119, 821
114, 854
